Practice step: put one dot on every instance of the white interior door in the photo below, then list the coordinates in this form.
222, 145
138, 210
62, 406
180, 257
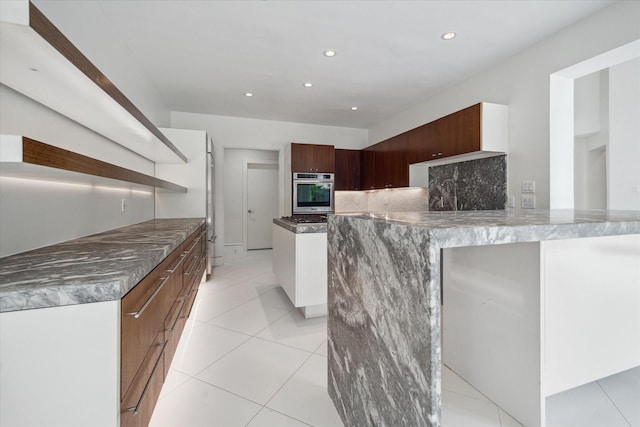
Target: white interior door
262, 204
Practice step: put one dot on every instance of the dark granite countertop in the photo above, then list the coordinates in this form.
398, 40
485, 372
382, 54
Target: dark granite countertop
100, 267
301, 228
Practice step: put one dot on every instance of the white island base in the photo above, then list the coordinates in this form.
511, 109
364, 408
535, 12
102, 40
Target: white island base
524, 321
300, 265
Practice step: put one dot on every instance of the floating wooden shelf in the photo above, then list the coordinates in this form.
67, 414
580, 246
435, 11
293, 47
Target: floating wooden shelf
26, 157
41, 63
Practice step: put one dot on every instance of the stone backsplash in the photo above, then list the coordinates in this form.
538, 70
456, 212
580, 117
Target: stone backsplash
408, 199
479, 184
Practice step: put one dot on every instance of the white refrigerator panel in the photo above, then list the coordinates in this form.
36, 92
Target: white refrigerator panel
193, 175
197, 175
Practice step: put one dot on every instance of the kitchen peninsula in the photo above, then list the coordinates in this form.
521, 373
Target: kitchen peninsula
520, 288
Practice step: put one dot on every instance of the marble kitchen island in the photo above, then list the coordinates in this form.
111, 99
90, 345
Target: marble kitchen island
511, 327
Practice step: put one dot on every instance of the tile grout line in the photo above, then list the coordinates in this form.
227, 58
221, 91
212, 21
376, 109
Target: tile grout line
288, 379
614, 404
281, 413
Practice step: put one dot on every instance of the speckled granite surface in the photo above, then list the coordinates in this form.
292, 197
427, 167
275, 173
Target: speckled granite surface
479, 184
301, 228
384, 300
101, 267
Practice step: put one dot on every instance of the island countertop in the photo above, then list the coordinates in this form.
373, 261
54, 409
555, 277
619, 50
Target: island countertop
301, 228
384, 296
100, 267
463, 228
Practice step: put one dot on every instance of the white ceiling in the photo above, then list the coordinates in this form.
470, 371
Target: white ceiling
204, 55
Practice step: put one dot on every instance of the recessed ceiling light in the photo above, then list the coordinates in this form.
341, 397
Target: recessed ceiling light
308, 84
354, 108
248, 94
329, 53
448, 36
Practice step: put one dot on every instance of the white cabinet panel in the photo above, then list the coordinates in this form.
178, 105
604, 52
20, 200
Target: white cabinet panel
284, 259
300, 265
592, 312
64, 361
311, 269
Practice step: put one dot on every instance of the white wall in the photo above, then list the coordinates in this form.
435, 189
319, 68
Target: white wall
95, 37
591, 128
624, 136
522, 82
254, 134
35, 213
586, 104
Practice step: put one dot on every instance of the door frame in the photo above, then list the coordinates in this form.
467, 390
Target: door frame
245, 196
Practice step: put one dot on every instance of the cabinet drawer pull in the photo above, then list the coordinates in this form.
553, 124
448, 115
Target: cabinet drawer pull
141, 310
175, 267
194, 264
175, 322
197, 240
134, 409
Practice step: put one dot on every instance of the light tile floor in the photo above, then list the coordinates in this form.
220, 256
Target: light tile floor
248, 358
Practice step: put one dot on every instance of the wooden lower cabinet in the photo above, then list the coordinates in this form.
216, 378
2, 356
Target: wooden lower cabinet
153, 315
139, 402
174, 324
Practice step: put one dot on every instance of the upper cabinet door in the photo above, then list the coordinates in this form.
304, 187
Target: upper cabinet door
312, 158
368, 169
347, 170
476, 131
398, 165
421, 143
458, 133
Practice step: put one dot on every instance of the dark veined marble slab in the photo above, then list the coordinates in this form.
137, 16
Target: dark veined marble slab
384, 300
301, 228
479, 184
100, 267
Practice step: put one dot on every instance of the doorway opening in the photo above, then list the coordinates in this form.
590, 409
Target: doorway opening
594, 132
235, 168
262, 204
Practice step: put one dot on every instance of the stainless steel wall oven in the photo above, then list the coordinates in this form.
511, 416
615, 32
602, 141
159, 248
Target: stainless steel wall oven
312, 193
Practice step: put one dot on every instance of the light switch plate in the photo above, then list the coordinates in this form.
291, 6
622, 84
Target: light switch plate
528, 201
528, 186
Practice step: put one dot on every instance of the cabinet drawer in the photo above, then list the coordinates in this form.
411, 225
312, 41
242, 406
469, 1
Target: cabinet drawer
137, 405
172, 266
174, 324
186, 310
190, 276
143, 315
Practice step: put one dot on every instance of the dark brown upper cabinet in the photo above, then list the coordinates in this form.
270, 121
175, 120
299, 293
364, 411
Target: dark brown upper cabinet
347, 176
384, 165
312, 158
368, 169
391, 166
476, 129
